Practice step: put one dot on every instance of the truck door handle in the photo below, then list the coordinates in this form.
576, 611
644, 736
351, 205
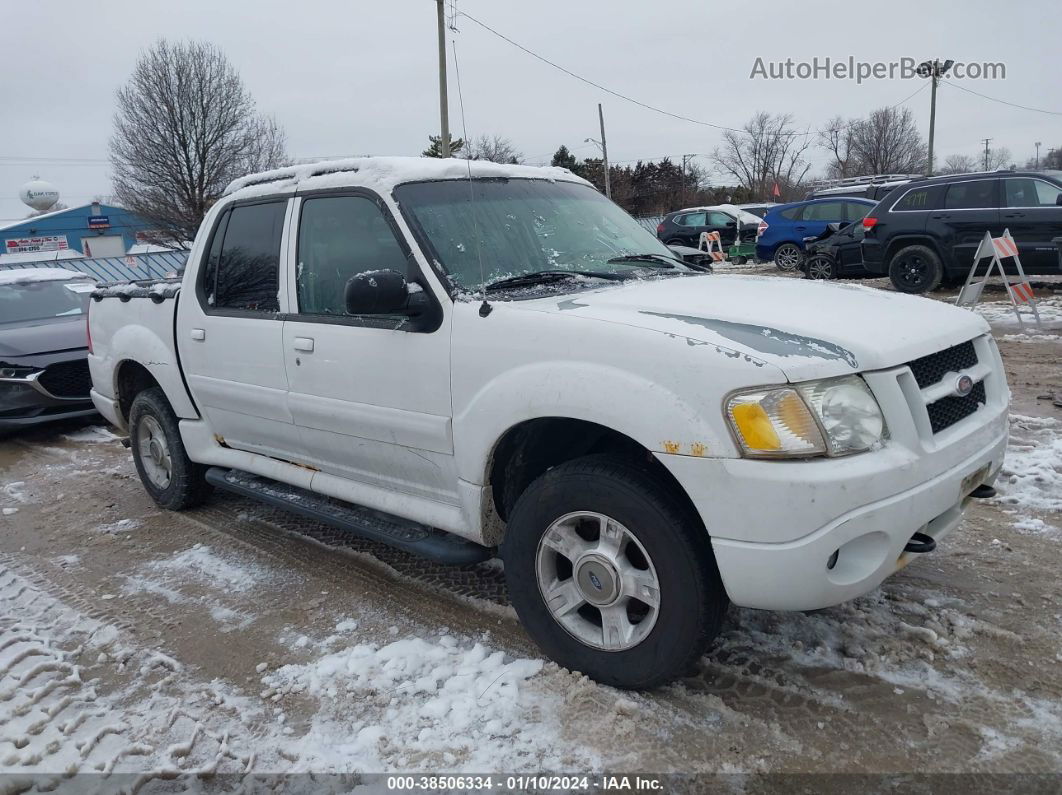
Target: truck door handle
1014, 215
199, 334
304, 344
938, 217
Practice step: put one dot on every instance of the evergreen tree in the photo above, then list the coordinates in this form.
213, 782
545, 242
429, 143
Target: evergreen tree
564, 159
435, 148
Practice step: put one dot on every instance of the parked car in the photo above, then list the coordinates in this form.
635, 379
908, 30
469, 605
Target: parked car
43, 373
684, 227
643, 443
835, 253
782, 231
925, 233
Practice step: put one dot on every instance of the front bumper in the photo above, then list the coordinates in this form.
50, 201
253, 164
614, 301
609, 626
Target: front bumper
869, 542
775, 524
25, 402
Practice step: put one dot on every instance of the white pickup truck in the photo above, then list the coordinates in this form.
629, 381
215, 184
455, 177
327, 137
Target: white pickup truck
462, 357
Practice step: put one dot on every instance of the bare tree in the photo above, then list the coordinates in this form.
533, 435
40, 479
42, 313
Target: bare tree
888, 142
495, 148
958, 164
767, 152
836, 137
185, 128
998, 158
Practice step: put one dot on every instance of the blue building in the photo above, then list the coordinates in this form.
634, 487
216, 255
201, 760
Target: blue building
93, 230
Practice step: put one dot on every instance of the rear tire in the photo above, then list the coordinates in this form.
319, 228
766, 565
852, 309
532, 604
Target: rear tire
648, 545
788, 257
172, 479
915, 269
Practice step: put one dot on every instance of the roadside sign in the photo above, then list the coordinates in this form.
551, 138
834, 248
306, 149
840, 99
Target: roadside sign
20, 245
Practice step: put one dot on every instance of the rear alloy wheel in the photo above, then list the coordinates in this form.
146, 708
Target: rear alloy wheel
172, 479
788, 257
612, 574
820, 267
915, 269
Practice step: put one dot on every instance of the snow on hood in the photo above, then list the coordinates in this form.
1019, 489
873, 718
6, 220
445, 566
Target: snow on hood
808, 329
384, 173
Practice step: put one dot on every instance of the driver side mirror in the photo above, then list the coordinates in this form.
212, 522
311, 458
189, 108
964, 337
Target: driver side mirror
731, 224
383, 292
1058, 200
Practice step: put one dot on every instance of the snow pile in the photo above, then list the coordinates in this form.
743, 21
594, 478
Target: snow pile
202, 563
121, 526
94, 433
1001, 313
11, 495
417, 704
1031, 478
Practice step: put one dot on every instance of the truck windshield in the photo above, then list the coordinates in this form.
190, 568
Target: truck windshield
485, 230
26, 301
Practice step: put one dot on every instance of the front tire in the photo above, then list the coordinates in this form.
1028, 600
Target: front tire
820, 267
915, 269
611, 574
788, 257
172, 479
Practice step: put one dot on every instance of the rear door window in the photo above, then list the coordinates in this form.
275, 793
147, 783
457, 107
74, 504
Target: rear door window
915, 199
1028, 192
719, 219
246, 275
974, 195
854, 211
693, 219
791, 213
824, 211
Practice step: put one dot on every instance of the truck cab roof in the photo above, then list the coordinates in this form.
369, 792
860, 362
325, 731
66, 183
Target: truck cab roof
383, 174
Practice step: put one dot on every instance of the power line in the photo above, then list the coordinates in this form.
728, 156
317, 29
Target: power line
1002, 101
598, 86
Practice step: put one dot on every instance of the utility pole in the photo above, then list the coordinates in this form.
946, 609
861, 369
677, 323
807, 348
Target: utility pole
444, 115
685, 161
604, 148
1037, 155
934, 70
986, 152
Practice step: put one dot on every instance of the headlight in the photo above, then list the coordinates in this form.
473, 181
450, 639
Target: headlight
836, 416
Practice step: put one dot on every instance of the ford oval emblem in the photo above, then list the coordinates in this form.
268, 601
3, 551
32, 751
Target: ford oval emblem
964, 386
594, 580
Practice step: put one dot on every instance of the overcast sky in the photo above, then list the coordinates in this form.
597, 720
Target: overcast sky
357, 77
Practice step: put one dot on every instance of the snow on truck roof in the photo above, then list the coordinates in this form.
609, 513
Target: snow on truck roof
384, 173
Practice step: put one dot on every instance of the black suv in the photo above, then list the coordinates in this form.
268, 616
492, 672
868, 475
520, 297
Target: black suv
684, 227
925, 233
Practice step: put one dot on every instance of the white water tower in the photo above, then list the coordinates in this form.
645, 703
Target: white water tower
38, 194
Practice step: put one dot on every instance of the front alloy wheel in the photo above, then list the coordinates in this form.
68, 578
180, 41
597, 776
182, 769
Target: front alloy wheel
598, 581
820, 268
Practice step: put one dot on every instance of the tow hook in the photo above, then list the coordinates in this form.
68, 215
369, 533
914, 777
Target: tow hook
125, 442
920, 542
983, 492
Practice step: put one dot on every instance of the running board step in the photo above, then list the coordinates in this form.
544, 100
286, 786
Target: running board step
364, 522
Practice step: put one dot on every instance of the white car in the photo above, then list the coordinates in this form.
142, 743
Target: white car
461, 356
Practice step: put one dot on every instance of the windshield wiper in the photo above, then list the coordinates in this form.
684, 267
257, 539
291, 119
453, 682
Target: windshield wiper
659, 260
547, 277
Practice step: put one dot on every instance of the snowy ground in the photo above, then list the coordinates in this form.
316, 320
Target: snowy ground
139, 645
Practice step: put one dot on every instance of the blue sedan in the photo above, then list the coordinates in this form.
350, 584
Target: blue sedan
783, 229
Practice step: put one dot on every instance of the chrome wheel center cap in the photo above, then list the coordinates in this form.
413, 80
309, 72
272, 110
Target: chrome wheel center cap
597, 579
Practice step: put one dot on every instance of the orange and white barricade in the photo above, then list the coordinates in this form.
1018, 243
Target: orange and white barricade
995, 250
713, 244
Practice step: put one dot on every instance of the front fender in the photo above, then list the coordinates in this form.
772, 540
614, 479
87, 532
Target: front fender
653, 415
